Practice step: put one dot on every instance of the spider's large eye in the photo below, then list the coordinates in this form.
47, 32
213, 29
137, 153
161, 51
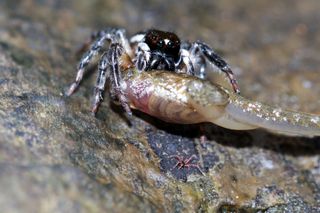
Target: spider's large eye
173, 46
160, 44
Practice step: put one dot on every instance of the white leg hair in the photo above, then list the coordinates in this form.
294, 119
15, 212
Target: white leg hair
185, 56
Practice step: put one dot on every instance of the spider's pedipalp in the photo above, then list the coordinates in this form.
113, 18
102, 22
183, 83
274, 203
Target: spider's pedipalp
142, 56
185, 56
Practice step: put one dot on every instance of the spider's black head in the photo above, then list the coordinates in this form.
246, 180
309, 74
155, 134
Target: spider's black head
164, 42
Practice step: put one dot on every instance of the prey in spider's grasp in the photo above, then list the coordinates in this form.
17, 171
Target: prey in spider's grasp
185, 99
145, 51
156, 74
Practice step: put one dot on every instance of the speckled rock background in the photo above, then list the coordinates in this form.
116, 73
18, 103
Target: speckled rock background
56, 157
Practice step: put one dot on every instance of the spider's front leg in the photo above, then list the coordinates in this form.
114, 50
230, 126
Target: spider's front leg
111, 61
214, 58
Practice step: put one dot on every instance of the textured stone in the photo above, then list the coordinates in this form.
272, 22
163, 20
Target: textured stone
56, 157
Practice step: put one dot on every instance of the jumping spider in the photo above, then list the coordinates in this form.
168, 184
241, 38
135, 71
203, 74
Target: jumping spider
149, 50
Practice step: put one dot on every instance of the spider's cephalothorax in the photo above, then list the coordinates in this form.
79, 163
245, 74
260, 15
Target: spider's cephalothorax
164, 49
149, 50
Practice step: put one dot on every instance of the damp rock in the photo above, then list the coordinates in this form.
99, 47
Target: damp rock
52, 148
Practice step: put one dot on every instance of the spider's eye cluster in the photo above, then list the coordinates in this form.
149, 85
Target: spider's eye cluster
160, 43
165, 42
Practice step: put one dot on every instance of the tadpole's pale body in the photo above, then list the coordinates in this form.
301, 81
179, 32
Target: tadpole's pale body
186, 99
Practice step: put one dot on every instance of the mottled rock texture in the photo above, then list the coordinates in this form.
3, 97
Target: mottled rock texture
56, 157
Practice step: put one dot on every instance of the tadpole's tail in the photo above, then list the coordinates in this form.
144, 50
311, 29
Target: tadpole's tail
232, 111
272, 118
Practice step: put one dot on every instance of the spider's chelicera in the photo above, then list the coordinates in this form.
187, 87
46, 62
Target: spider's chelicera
149, 50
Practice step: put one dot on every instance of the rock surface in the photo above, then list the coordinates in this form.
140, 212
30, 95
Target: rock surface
56, 157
